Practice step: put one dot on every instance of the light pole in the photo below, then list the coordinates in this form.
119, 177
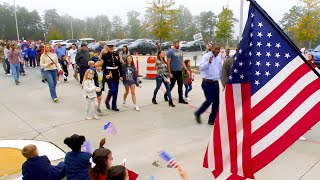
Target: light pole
15, 16
241, 20
71, 29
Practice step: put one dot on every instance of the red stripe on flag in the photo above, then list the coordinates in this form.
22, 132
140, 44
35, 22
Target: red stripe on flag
217, 145
281, 144
246, 112
280, 90
285, 112
205, 160
232, 129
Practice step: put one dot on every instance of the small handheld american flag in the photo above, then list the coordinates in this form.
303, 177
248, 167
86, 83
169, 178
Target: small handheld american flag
165, 156
110, 128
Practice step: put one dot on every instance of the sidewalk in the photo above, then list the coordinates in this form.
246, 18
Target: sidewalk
27, 112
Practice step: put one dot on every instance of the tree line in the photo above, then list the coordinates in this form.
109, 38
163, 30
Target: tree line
161, 21
302, 23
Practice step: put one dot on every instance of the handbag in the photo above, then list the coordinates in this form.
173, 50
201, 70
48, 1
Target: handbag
60, 71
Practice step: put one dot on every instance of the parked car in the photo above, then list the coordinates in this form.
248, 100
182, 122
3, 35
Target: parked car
86, 41
166, 45
193, 46
128, 40
68, 43
143, 48
120, 43
54, 42
316, 54
119, 48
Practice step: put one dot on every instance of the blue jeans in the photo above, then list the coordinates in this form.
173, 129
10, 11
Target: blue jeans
51, 76
8, 66
211, 92
15, 68
32, 61
188, 89
113, 92
159, 81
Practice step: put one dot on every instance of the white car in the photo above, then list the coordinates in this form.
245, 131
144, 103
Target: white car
54, 42
68, 43
85, 41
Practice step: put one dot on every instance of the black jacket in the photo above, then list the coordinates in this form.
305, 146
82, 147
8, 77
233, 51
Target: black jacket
82, 58
112, 60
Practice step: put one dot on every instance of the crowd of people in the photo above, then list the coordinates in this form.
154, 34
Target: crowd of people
104, 72
107, 68
77, 164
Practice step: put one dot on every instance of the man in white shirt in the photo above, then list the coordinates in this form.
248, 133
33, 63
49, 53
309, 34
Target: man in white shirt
72, 59
210, 70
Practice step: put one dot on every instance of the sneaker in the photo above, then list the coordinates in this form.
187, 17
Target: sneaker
43, 81
187, 99
24, 74
95, 116
125, 104
183, 101
16, 82
88, 118
99, 110
55, 100
58, 82
137, 108
302, 138
9, 74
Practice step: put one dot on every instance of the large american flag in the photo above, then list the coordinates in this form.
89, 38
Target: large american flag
270, 100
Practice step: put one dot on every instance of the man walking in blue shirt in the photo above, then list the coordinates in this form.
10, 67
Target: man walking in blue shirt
60, 50
210, 70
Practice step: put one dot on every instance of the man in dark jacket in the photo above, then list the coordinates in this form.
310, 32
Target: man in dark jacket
82, 59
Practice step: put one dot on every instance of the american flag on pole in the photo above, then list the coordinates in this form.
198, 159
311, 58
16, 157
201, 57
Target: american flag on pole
270, 100
110, 128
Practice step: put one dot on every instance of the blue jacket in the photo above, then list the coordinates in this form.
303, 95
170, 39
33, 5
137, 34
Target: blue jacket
77, 165
32, 52
39, 168
24, 52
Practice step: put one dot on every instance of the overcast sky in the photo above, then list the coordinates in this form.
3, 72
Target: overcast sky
91, 8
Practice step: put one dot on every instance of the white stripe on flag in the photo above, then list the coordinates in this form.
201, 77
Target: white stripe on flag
239, 124
224, 175
211, 164
277, 106
224, 133
286, 125
276, 80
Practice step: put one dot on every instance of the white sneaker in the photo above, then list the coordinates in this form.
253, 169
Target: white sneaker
58, 82
137, 108
125, 104
9, 74
88, 118
302, 138
187, 98
95, 116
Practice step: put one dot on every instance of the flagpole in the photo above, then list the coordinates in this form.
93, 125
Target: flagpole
241, 19
15, 16
290, 42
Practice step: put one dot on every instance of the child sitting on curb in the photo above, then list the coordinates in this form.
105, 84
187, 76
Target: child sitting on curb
39, 167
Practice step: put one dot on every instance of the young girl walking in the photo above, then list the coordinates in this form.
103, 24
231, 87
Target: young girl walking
130, 81
90, 94
187, 79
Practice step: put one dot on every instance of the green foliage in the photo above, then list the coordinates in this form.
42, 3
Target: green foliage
302, 24
185, 25
133, 28
117, 31
207, 22
54, 34
161, 18
225, 26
